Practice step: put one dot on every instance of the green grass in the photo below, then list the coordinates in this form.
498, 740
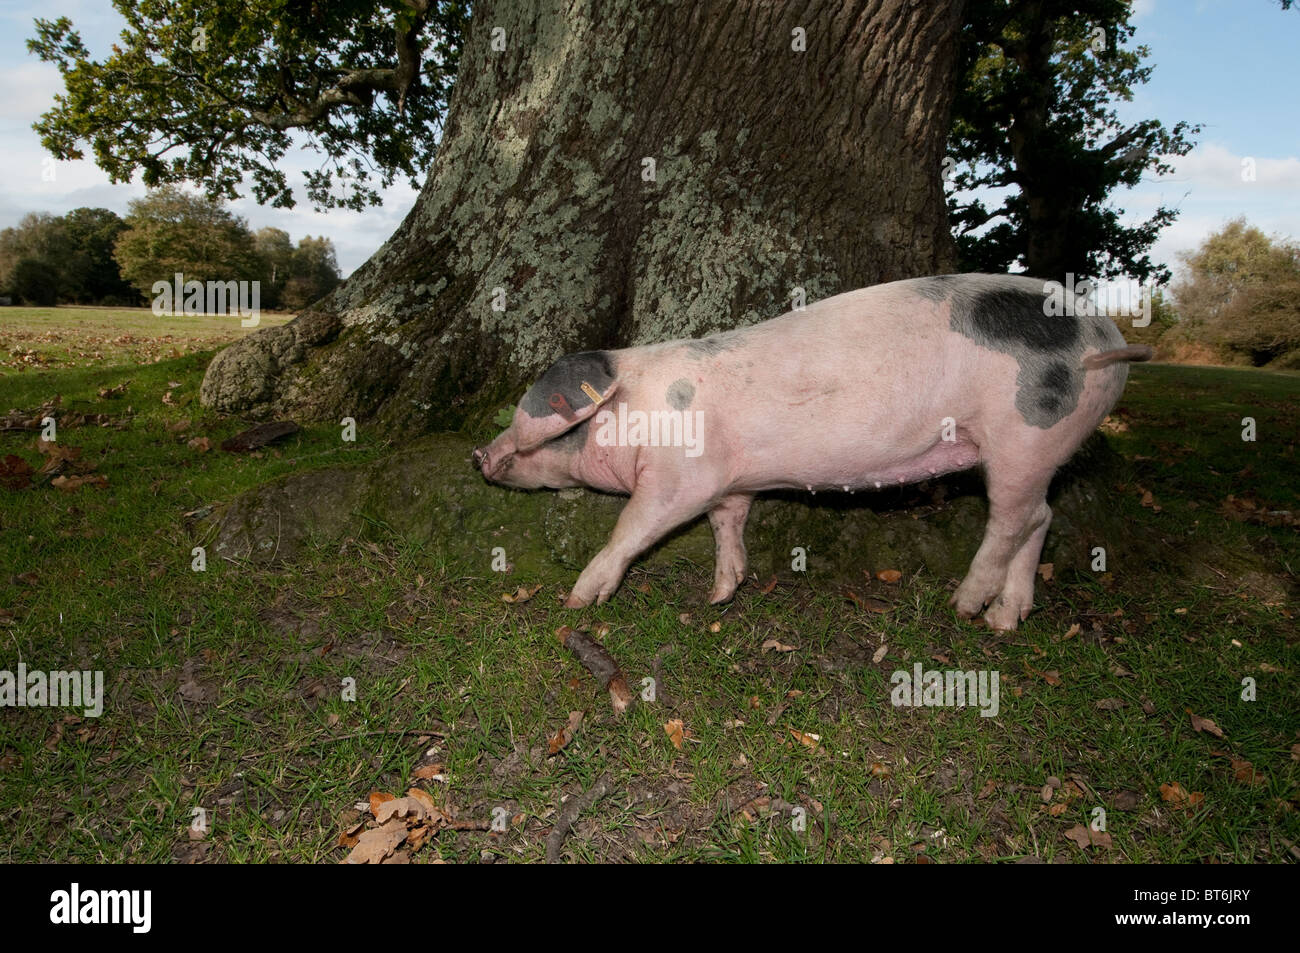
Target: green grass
89, 337
224, 686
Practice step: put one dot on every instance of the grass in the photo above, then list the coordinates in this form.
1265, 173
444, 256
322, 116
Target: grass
90, 337
225, 688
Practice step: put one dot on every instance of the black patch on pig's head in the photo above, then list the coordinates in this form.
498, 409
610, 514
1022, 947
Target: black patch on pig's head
680, 394
571, 441
565, 377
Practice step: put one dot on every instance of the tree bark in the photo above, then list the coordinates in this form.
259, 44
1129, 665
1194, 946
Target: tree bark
775, 169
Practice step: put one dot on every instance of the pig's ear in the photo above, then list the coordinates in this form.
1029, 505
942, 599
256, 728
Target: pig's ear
571, 391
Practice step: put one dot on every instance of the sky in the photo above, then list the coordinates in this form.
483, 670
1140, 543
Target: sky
1230, 65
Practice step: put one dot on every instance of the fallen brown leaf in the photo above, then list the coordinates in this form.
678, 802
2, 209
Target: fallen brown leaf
1126, 801
428, 772
1245, 772
1175, 795
562, 737
15, 473
377, 843
807, 739
522, 594
1086, 837
1204, 724
676, 732
68, 484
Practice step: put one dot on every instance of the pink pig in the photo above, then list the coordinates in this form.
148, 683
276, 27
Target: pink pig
887, 385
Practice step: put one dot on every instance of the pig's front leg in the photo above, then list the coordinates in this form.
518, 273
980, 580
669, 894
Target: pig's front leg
728, 522
651, 513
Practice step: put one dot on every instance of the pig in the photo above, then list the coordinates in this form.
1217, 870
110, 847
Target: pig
886, 385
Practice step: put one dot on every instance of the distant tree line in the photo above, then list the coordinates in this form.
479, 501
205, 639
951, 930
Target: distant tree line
1237, 301
94, 256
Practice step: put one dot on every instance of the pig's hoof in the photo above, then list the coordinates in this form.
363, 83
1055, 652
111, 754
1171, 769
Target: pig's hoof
576, 601
964, 609
972, 596
724, 588
1004, 615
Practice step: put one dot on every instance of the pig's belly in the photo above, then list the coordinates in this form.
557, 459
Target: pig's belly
852, 466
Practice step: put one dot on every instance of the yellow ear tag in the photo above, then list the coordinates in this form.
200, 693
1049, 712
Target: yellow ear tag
591, 392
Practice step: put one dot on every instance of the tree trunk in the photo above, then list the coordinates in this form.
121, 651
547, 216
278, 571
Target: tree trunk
773, 169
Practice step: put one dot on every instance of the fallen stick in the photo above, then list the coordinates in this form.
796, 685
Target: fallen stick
569, 813
595, 658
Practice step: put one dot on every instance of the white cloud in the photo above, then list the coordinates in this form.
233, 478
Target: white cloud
1217, 170
1207, 188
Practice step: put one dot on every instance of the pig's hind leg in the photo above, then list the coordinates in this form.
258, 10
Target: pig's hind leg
1002, 572
650, 515
728, 522
1013, 603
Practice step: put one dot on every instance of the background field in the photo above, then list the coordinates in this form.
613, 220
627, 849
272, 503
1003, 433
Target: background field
223, 686
84, 337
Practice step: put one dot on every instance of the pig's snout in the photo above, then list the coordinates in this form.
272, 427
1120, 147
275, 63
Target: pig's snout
491, 463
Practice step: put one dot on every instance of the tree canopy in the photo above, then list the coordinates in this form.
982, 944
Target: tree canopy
1242, 292
75, 252
170, 230
210, 92
213, 93
1035, 115
91, 255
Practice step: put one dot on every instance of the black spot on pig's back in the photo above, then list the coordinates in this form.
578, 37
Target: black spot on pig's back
934, 288
1008, 314
1014, 317
680, 394
1056, 378
566, 377
707, 347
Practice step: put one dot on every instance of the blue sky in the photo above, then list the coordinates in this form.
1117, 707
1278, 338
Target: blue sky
1231, 65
